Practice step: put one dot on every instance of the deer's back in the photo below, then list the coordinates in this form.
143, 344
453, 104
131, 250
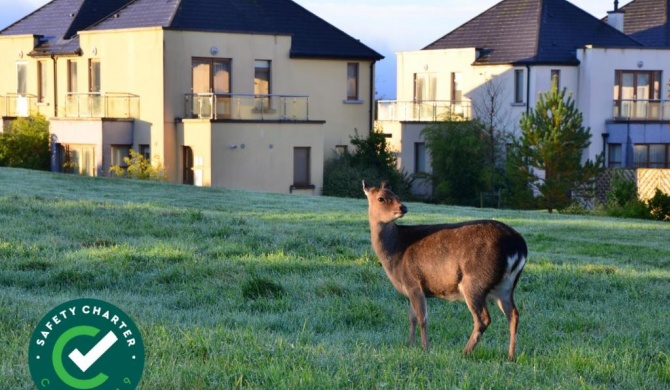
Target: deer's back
439, 257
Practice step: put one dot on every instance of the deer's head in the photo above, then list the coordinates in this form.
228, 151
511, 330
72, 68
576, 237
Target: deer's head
383, 205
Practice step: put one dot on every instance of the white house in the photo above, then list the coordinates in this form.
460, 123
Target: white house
616, 69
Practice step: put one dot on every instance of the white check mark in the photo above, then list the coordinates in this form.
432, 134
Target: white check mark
84, 362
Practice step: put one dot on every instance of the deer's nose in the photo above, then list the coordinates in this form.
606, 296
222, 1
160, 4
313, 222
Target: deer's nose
403, 209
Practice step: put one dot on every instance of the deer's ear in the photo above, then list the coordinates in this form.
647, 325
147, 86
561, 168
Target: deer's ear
366, 188
385, 184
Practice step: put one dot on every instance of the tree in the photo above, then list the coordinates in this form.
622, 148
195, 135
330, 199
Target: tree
25, 144
458, 152
551, 146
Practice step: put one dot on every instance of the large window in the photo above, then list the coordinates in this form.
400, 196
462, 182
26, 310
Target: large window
651, 155
301, 171
352, 81
77, 159
42, 81
119, 153
518, 86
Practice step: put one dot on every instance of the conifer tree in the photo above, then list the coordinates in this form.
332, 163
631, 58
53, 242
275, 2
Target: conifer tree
552, 142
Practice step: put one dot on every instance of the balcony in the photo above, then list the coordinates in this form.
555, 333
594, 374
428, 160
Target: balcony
641, 110
102, 105
247, 107
423, 111
15, 105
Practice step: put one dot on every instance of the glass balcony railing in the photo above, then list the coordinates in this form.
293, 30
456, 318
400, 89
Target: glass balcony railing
15, 105
247, 107
423, 111
102, 105
641, 110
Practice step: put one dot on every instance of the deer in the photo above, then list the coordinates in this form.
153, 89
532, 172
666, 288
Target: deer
471, 261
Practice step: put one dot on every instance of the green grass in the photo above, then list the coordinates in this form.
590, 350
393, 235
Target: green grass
236, 289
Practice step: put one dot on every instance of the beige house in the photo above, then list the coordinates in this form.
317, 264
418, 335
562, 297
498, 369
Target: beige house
225, 93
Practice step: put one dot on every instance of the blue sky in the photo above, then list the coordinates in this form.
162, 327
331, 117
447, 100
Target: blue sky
388, 26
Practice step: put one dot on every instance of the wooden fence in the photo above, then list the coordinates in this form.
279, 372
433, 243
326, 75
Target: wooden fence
647, 180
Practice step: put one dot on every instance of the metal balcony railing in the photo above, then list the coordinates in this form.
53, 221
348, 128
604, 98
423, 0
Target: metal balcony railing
641, 110
423, 111
247, 107
118, 105
16, 105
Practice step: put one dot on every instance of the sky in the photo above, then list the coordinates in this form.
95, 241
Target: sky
387, 26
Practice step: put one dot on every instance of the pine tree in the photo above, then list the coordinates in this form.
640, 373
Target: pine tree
553, 140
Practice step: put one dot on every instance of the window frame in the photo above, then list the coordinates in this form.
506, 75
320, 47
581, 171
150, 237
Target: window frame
72, 73
22, 78
420, 158
42, 81
647, 163
555, 73
611, 163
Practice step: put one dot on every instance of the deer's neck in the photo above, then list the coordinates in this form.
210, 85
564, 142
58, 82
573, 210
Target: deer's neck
385, 241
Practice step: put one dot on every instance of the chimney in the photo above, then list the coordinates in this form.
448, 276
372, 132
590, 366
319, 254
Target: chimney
615, 18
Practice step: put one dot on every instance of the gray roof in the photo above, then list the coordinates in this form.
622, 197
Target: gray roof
312, 37
532, 32
647, 21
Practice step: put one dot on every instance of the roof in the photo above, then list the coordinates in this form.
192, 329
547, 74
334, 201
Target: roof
647, 21
58, 21
532, 32
312, 37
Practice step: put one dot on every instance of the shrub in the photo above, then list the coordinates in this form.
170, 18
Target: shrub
139, 167
371, 161
25, 144
659, 206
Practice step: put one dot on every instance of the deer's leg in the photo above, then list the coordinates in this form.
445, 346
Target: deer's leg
506, 304
417, 302
412, 325
477, 304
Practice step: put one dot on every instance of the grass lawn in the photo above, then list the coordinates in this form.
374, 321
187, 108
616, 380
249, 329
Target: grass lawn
237, 289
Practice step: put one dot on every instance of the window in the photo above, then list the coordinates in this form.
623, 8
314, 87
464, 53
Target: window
210, 75
119, 152
456, 92
352, 81
77, 159
21, 75
301, 172
518, 86
72, 76
650, 155
94, 84
556, 78
341, 150
145, 150
41, 81
419, 157
614, 156
425, 87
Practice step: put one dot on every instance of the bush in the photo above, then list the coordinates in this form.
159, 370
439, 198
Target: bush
25, 144
371, 161
659, 206
139, 167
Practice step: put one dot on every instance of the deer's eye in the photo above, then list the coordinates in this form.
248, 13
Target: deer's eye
381, 200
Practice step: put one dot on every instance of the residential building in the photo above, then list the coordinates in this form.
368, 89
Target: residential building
616, 70
226, 93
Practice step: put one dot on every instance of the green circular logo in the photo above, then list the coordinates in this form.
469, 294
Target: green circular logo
86, 344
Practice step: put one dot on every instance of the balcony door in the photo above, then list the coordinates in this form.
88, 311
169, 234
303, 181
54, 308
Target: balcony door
637, 93
210, 75
425, 89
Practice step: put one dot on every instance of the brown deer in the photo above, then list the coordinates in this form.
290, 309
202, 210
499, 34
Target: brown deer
469, 261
